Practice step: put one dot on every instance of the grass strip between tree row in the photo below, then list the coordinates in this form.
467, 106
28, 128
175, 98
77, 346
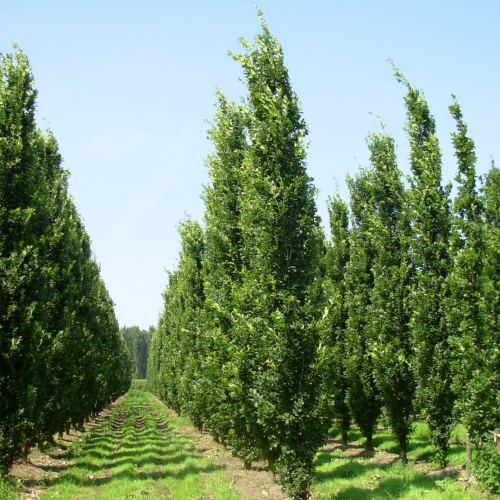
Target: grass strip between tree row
137, 453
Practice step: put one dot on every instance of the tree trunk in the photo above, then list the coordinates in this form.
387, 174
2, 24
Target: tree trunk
41, 443
271, 467
345, 434
369, 443
402, 450
468, 454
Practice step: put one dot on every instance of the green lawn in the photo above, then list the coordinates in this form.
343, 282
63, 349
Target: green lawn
136, 453
358, 477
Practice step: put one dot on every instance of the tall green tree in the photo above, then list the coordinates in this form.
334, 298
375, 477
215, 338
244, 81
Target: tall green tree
138, 342
465, 305
490, 403
22, 224
162, 361
336, 313
60, 355
389, 309
363, 394
177, 347
429, 203
191, 306
222, 272
276, 328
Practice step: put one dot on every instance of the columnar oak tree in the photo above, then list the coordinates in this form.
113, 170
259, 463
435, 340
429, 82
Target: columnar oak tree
389, 313
336, 314
363, 395
430, 213
491, 306
178, 341
21, 226
222, 270
472, 383
276, 323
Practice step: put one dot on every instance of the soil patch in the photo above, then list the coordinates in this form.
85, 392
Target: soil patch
139, 423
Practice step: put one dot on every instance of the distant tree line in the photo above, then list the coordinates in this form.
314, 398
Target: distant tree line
138, 342
62, 358
270, 329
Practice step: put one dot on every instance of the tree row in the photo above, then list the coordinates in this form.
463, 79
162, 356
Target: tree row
270, 330
138, 342
236, 347
62, 358
412, 288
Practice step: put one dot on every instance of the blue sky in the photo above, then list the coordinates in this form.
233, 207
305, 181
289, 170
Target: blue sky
126, 87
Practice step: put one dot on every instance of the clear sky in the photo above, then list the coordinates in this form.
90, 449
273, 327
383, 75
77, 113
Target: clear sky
126, 87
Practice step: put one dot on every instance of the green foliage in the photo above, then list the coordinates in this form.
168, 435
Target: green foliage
363, 394
21, 226
138, 342
389, 309
378, 347
335, 316
486, 466
269, 331
466, 289
174, 366
139, 385
237, 346
491, 300
277, 297
431, 228
61, 355
222, 268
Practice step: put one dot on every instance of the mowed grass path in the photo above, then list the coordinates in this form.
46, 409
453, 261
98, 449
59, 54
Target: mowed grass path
137, 453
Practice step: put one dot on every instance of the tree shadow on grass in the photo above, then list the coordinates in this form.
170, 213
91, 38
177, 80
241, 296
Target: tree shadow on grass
91, 481
128, 453
361, 479
387, 488
349, 470
99, 463
456, 449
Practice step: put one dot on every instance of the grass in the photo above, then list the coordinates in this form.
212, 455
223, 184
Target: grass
137, 452
345, 477
8, 489
140, 452
359, 478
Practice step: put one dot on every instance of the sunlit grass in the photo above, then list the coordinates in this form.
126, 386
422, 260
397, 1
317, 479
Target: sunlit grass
8, 489
120, 460
363, 478
341, 476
